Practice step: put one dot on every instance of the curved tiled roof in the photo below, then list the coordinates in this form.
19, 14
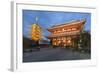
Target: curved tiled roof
68, 23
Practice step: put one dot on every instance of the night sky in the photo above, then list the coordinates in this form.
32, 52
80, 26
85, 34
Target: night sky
46, 19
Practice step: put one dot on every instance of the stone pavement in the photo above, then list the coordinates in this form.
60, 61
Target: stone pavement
54, 54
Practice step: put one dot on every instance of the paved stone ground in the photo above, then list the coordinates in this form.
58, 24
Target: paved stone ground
56, 54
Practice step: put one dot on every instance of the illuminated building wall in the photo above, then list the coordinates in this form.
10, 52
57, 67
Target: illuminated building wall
63, 34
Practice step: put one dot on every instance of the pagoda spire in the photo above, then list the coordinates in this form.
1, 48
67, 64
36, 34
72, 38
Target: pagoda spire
36, 20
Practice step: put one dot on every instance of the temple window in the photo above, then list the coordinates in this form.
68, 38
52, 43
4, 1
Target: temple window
68, 29
59, 31
73, 29
63, 29
55, 32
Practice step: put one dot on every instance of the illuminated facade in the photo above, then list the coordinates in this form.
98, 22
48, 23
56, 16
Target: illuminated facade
64, 34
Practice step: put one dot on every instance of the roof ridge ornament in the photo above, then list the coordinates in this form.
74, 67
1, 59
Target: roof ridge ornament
36, 19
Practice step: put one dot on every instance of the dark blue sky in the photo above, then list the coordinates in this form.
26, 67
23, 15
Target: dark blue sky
47, 19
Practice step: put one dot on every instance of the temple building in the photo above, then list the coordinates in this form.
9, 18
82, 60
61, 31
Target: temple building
65, 34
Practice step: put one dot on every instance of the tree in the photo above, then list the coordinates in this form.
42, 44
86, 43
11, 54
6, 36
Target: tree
86, 40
